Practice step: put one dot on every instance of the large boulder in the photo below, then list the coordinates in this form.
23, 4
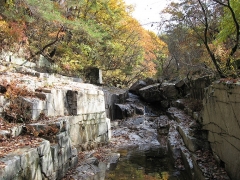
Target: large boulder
198, 85
124, 110
151, 93
136, 86
140, 84
169, 91
159, 92
182, 86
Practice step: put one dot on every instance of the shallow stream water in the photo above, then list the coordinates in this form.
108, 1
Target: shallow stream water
137, 150
151, 164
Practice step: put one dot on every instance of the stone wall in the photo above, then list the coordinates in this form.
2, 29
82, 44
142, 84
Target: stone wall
14, 58
49, 159
64, 102
221, 117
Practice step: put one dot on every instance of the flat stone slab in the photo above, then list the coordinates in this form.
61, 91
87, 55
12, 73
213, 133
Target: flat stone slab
20, 155
188, 139
187, 127
180, 154
199, 165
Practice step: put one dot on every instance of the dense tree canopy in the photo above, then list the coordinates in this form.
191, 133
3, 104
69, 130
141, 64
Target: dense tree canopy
77, 34
200, 36
204, 34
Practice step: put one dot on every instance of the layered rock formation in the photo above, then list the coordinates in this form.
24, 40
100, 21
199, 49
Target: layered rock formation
57, 114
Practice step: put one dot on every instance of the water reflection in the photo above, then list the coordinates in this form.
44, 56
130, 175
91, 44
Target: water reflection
152, 164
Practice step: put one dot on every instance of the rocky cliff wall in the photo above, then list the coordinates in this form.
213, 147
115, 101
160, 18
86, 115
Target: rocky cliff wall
221, 118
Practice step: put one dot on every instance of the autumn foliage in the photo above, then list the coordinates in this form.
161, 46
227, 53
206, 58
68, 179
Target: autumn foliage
76, 35
204, 36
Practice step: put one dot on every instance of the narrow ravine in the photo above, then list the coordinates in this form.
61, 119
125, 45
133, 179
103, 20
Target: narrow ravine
153, 141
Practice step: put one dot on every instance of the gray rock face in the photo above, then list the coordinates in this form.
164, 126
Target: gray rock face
159, 92
188, 134
45, 156
84, 129
52, 161
151, 93
197, 86
61, 102
46, 161
188, 145
221, 120
169, 91
124, 111
113, 96
136, 86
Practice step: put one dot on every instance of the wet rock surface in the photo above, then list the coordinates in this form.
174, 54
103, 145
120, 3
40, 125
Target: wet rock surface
177, 134
137, 132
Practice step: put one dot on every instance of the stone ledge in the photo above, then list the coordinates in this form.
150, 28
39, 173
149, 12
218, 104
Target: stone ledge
189, 129
66, 113
46, 160
10, 132
190, 142
200, 165
181, 155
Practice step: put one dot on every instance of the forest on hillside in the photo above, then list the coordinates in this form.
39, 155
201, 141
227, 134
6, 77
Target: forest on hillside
196, 37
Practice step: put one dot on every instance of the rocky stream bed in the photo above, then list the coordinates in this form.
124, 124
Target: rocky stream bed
156, 145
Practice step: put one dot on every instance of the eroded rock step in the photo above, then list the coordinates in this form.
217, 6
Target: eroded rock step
189, 148
37, 159
178, 151
190, 130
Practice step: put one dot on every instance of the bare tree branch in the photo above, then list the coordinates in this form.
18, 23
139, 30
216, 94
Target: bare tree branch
47, 45
237, 26
205, 41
